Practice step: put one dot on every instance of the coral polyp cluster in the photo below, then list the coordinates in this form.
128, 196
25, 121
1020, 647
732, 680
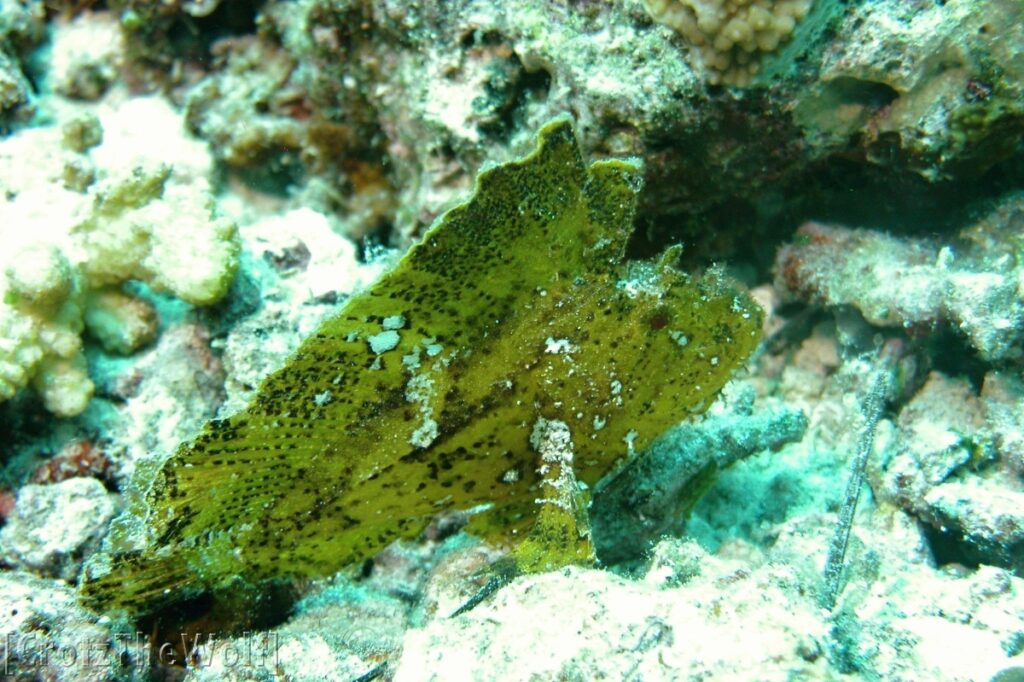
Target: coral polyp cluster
731, 35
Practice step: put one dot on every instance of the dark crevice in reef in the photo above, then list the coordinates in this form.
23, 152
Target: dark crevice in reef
856, 91
750, 227
196, 622
277, 174
950, 353
193, 36
509, 87
22, 419
949, 546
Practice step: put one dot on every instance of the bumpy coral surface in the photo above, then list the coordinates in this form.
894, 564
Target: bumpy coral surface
731, 34
21, 27
935, 85
87, 207
53, 525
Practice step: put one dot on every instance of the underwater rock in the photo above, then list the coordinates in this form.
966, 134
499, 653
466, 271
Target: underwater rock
973, 284
936, 436
21, 28
169, 391
943, 469
983, 520
22, 22
434, 91
345, 627
1002, 393
17, 103
899, 617
384, 112
587, 624
86, 55
339, 632
53, 526
241, 109
939, 616
932, 86
49, 636
444, 88
121, 323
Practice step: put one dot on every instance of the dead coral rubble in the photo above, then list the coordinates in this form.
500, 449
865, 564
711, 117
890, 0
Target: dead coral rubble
951, 463
21, 28
53, 526
975, 283
49, 636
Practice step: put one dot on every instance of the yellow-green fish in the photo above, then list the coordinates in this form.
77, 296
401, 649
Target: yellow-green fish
509, 361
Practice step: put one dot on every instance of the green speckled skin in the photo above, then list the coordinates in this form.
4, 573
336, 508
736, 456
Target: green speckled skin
511, 309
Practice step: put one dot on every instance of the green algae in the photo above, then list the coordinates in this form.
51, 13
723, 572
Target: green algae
506, 364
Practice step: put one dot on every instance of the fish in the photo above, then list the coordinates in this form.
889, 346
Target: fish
508, 362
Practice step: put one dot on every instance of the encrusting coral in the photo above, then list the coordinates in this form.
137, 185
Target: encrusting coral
503, 366
731, 35
88, 213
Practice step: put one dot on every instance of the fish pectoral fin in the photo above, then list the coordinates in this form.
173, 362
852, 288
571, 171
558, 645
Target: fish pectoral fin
561, 533
560, 537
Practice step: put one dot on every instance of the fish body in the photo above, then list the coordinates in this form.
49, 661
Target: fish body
509, 361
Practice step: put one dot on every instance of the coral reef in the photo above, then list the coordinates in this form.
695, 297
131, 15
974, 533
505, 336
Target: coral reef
974, 283
680, 620
385, 112
48, 635
731, 35
640, 628
86, 55
943, 466
196, 195
129, 210
21, 28
15, 92
53, 526
936, 86
77, 458
345, 626
440, 89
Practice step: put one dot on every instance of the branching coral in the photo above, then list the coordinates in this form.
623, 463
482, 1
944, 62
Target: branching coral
731, 35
